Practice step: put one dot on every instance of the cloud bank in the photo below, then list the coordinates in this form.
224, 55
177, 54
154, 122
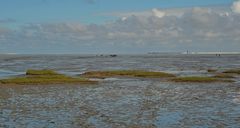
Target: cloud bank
236, 6
158, 13
196, 29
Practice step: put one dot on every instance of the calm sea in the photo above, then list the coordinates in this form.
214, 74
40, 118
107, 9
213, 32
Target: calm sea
11, 65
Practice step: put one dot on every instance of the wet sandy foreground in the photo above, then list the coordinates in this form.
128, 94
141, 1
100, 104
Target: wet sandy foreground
121, 103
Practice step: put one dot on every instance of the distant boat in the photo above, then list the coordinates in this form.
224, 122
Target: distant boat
113, 55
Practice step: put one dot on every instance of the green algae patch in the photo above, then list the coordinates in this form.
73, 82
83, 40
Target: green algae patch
233, 71
198, 79
211, 70
126, 73
223, 75
40, 77
41, 72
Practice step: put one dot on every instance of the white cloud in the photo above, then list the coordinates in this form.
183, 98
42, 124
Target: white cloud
153, 12
158, 13
124, 18
194, 28
121, 35
198, 10
236, 6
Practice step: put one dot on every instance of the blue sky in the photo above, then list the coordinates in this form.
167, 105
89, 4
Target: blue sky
121, 26
26, 11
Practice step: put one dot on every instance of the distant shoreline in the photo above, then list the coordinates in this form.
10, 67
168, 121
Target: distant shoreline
197, 53
149, 53
212, 53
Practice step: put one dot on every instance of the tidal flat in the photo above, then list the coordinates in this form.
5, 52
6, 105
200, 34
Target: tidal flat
121, 102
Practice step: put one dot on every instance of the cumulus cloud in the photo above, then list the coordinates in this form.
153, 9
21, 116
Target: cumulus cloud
197, 28
236, 6
158, 13
153, 12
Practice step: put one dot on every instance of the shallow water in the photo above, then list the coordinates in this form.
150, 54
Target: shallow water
75, 64
120, 102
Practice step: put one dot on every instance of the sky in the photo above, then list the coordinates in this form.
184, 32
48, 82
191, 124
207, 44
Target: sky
119, 26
